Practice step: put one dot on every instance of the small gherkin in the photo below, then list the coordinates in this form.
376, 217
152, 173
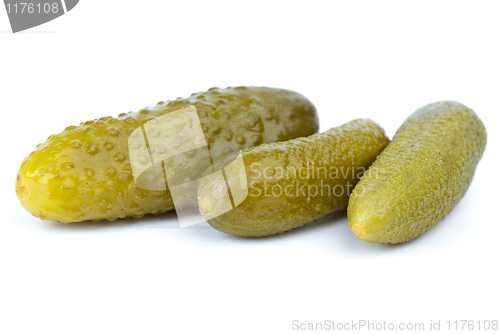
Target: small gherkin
84, 172
292, 183
421, 175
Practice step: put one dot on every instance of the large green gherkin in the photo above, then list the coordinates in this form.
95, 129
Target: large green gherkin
84, 173
421, 175
292, 183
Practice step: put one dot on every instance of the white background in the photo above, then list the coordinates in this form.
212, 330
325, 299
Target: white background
376, 59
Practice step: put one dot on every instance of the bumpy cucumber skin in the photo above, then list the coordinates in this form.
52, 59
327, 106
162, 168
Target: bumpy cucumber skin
84, 173
350, 147
421, 175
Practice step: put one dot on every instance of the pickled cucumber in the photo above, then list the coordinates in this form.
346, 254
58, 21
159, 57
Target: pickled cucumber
292, 183
421, 175
85, 173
